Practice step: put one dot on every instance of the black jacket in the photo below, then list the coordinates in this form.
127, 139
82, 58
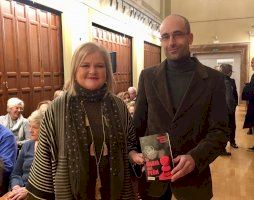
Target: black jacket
198, 128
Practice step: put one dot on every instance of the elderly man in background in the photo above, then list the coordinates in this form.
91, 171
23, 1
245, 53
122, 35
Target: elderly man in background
14, 120
133, 93
231, 100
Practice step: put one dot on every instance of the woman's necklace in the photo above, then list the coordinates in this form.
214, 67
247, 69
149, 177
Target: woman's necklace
103, 151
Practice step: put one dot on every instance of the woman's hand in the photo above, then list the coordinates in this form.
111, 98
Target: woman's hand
18, 194
16, 187
136, 157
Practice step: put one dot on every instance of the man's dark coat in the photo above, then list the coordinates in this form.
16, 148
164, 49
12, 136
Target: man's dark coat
198, 127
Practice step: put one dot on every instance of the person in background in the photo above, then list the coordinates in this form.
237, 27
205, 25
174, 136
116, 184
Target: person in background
20, 173
217, 68
186, 99
87, 137
14, 120
231, 100
8, 153
43, 106
133, 93
126, 97
66, 85
58, 93
248, 95
131, 107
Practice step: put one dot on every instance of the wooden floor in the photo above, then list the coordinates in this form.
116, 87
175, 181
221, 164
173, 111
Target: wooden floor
233, 176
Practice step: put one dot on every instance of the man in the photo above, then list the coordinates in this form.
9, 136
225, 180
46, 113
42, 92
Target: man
186, 99
248, 95
133, 93
231, 100
8, 152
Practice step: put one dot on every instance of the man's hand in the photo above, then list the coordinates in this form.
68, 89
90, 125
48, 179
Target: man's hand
184, 164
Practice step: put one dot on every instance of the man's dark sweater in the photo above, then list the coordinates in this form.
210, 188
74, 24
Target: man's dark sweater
179, 75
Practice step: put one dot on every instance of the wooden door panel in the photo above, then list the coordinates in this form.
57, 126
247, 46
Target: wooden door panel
37, 95
36, 79
6, 7
56, 59
2, 104
48, 92
152, 54
20, 10
47, 82
26, 97
32, 15
9, 44
34, 46
44, 36
43, 17
22, 46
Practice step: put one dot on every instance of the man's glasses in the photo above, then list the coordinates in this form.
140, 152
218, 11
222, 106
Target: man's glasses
175, 36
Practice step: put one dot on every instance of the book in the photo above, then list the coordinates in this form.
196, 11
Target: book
157, 152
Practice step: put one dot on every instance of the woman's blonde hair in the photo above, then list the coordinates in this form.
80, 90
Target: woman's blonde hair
80, 54
36, 117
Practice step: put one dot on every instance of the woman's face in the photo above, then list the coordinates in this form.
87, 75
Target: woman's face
15, 112
34, 130
126, 98
91, 74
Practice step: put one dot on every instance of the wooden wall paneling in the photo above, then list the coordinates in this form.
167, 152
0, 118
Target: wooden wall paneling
56, 58
45, 53
152, 54
23, 57
10, 50
35, 56
121, 44
31, 53
2, 69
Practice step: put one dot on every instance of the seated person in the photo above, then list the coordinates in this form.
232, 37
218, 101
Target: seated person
20, 173
131, 107
58, 93
133, 93
8, 152
14, 120
43, 106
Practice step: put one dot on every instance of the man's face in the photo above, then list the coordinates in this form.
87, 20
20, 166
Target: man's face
174, 38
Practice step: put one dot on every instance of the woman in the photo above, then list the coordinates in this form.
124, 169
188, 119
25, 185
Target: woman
14, 120
43, 106
19, 175
86, 137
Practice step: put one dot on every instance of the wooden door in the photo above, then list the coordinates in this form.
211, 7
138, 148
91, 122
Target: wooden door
152, 54
122, 45
31, 64
11, 72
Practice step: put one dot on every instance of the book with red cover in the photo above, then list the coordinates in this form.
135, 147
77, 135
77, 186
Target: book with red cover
158, 155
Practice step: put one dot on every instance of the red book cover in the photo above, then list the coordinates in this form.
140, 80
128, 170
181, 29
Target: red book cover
158, 155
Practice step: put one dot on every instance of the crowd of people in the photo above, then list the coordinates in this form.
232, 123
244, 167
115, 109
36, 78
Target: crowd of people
82, 144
